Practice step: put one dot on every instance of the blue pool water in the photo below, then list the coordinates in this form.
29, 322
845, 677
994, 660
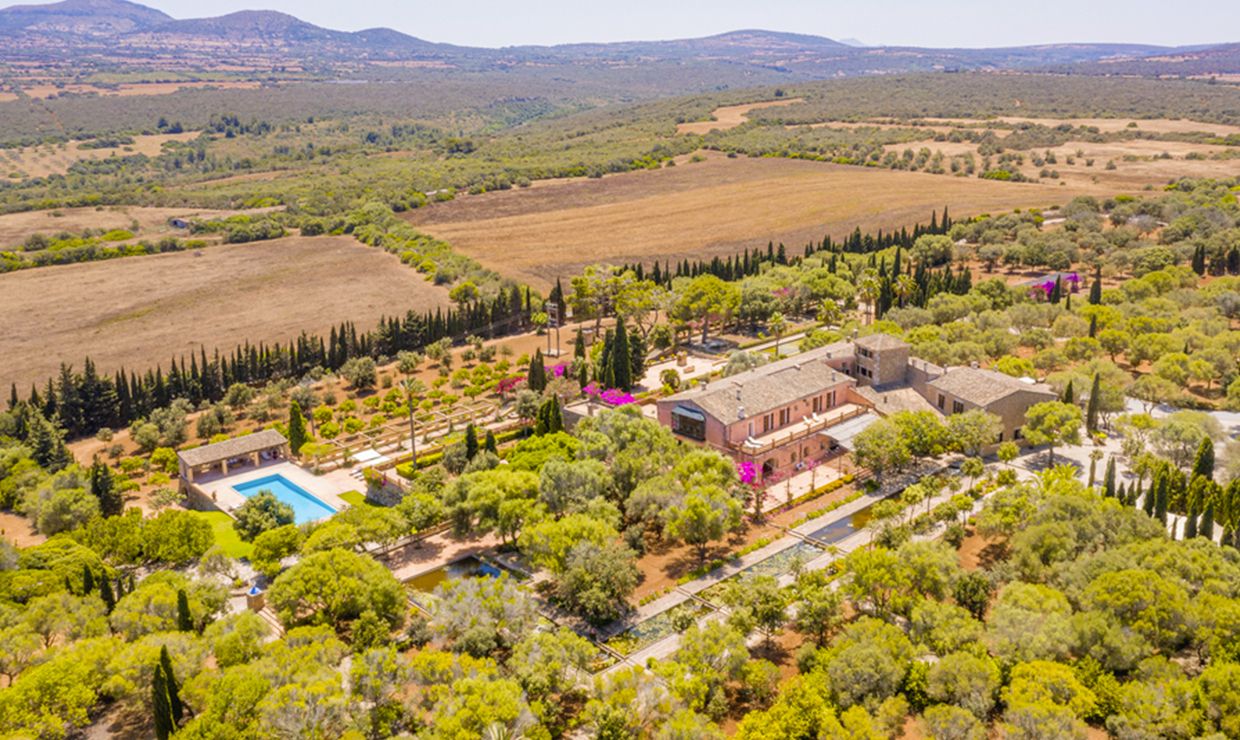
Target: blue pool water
306, 508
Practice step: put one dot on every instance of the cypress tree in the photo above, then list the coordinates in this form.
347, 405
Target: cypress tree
471, 442
1203, 463
296, 428
105, 593
1093, 326
1147, 503
1108, 480
579, 345
621, 358
1206, 528
1069, 395
1091, 409
1095, 288
161, 709
491, 445
88, 580
637, 357
170, 683
103, 487
537, 376
1190, 524
185, 622
1161, 502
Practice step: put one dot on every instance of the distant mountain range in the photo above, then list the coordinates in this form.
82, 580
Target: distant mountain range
119, 32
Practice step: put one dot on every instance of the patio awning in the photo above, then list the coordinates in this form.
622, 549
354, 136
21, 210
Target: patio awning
688, 412
844, 434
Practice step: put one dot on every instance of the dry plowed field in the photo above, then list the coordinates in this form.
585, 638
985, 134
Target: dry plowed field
140, 311
719, 206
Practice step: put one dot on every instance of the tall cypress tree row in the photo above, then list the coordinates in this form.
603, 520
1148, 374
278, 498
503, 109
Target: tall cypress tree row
1203, 463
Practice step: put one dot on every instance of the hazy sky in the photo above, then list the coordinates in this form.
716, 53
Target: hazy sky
899, 22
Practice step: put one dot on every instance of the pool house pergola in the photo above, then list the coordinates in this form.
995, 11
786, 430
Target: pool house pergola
250, 449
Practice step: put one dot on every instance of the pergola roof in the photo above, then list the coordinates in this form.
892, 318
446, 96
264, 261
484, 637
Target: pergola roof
230, 448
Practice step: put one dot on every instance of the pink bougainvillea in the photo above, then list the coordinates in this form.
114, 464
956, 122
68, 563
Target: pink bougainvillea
559, 370
747, 471
609, 396
507, 385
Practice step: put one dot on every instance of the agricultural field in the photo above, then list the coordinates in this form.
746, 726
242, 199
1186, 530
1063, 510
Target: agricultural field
730, 116
129, 312
56, 159
716, 206
144, 222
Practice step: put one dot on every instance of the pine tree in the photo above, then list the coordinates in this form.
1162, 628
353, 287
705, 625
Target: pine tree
1091, 409
1203, 463
471, 442
297, 437
185, 621
491, 445
537, 376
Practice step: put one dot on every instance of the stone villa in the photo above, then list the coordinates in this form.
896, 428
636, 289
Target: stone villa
807, 408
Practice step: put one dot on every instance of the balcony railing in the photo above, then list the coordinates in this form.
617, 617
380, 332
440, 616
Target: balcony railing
796, 432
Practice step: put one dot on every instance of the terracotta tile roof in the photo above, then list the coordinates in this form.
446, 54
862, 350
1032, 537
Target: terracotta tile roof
235, 447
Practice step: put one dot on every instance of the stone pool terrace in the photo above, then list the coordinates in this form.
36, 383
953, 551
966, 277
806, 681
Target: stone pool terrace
217, 489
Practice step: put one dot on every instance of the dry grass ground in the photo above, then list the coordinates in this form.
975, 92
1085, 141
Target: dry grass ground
1108, 125
152, 223
143, 310
718, 206
131, 89
730, 116
55, 159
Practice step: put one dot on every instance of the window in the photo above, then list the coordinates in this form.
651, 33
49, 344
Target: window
957, 407
1000, 436
942, 401
816, 406
768, 422
689, 422
831, 400
1016, 434
785, 416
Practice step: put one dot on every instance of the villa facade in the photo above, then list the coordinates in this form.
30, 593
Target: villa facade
805, 409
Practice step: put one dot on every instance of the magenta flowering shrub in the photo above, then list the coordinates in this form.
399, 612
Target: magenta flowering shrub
507, 385
559, 370
609, 396
747, 472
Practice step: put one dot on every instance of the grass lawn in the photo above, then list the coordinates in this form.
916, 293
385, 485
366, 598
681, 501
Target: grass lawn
225, 536
355, 498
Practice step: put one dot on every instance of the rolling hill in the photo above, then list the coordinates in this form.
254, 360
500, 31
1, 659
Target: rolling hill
106, 29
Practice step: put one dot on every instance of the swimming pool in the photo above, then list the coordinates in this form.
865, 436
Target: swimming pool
306, 508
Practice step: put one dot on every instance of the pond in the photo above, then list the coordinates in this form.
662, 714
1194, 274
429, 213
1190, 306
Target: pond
648, 632
842, 528
421, 587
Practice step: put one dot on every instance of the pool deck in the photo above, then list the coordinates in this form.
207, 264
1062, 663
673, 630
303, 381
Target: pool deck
326, 488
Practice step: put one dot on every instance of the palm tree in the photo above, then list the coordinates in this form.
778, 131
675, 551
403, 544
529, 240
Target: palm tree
905, 286
867, 290
412, 387
777, 325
